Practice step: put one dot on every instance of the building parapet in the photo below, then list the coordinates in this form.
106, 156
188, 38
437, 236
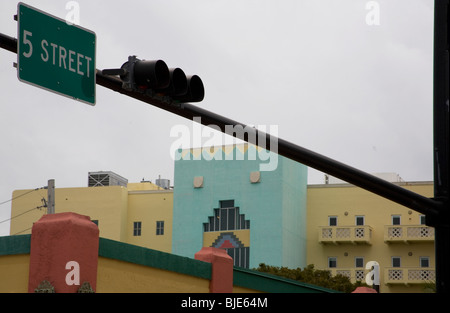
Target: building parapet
127, 268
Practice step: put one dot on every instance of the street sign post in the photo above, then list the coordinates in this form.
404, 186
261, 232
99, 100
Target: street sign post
56, 56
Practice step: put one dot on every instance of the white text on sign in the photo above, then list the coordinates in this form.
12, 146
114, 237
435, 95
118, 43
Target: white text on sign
59, 56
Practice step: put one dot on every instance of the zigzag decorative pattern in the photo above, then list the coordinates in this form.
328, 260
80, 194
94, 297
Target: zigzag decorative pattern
227, 240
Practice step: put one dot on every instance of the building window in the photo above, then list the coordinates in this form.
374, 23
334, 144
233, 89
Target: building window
332, 262
396, 261
226, 203
332, 220
395, 219
227, 217
137, 226
422, 219
359, 220
159, 228
241, 256
359, 265
359, 261
424, 261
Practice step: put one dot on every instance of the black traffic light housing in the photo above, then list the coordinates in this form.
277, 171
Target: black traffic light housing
156, 80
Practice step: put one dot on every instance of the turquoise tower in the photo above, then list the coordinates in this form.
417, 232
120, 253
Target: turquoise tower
240, 191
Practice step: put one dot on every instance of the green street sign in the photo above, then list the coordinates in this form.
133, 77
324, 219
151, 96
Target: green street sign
54, 55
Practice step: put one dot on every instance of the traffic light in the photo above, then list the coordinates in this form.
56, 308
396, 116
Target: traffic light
156, 80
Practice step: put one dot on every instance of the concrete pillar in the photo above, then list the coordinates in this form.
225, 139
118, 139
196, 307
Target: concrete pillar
222, 269
63, 254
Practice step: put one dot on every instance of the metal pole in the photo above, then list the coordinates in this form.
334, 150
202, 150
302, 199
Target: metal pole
51, 196
441, 154
8, 43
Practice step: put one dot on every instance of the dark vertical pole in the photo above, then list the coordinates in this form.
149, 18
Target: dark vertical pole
441, 144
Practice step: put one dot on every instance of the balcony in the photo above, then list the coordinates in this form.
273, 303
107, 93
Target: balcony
392, 275
345, 234
408, 233
354, 274
406, 276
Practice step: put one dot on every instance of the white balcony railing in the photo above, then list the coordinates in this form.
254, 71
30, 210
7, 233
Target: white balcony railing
392, 275
345, 234
354, 274
409, 275
408, 233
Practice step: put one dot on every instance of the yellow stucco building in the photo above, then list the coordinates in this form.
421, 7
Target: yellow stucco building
138, 214
349, 227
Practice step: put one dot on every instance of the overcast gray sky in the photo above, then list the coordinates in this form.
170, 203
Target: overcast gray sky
333, 77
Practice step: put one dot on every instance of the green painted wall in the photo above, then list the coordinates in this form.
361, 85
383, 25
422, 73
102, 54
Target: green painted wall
276, 206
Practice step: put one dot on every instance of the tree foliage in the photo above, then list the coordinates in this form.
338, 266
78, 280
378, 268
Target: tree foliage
312, 276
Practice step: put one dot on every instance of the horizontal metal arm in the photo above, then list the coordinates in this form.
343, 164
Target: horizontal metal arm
289, 150
114, 71
8, 43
